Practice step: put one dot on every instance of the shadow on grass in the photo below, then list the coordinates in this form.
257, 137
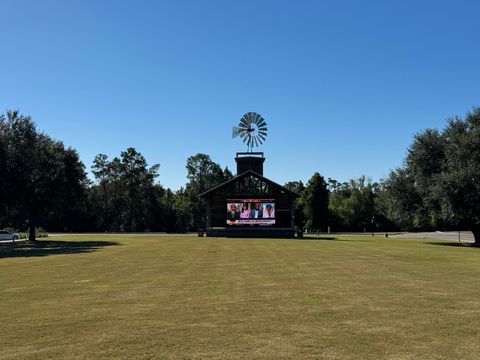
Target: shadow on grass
320, 238
46, 248
324, 238
455, 244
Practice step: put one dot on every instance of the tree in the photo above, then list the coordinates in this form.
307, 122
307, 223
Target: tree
401, 202
101, 169
299, 211
439, 184
138, 180
315, 203
202, 174
296, 186
352, 204
44, 178
425, 162
4, 193
457, 187
130, 199
182, 205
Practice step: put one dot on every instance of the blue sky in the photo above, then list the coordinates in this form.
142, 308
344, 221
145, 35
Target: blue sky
343, 85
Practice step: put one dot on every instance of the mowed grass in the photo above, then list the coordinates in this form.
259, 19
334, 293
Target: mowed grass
183, 297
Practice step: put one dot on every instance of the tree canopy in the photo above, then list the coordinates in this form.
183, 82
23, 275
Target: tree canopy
352, 204
202, 174
439, 184
44, 183
315, 199
40, 177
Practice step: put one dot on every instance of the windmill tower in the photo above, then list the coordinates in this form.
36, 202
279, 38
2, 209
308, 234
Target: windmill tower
249, 204
252, 129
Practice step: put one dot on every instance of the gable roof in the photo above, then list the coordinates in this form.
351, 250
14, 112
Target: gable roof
244, 174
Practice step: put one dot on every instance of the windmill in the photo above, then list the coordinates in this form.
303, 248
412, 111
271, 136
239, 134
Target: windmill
252, 129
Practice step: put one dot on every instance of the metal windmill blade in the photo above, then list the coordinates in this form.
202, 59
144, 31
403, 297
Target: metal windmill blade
261, 123
243, 122
236, 131
261, 138
252, 129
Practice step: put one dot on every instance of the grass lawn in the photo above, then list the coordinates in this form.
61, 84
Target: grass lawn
182, 297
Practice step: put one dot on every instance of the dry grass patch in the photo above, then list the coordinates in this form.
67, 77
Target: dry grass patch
181, 297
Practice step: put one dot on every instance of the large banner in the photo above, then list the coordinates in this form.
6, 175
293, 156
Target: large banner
251, 212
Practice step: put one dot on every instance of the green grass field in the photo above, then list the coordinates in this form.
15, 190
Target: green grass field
182, 297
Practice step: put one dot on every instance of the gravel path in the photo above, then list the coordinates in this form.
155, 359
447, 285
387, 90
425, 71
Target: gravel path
465, 236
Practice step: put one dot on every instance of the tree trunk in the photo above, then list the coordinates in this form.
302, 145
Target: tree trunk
31, 231
476, 234
105, 207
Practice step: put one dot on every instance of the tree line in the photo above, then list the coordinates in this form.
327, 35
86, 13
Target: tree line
44, 183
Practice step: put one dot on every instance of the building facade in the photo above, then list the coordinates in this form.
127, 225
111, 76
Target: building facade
249, 205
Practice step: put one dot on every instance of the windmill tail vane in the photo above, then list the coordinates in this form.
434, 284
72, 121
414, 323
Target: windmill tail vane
252, 129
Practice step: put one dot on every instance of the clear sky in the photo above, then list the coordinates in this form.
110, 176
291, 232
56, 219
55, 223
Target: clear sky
343, 85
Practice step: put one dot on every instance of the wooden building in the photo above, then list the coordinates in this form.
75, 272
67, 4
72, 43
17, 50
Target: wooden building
249, 205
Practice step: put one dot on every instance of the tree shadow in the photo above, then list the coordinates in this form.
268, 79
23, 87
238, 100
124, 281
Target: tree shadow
455, 244
46, 248
323, 238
